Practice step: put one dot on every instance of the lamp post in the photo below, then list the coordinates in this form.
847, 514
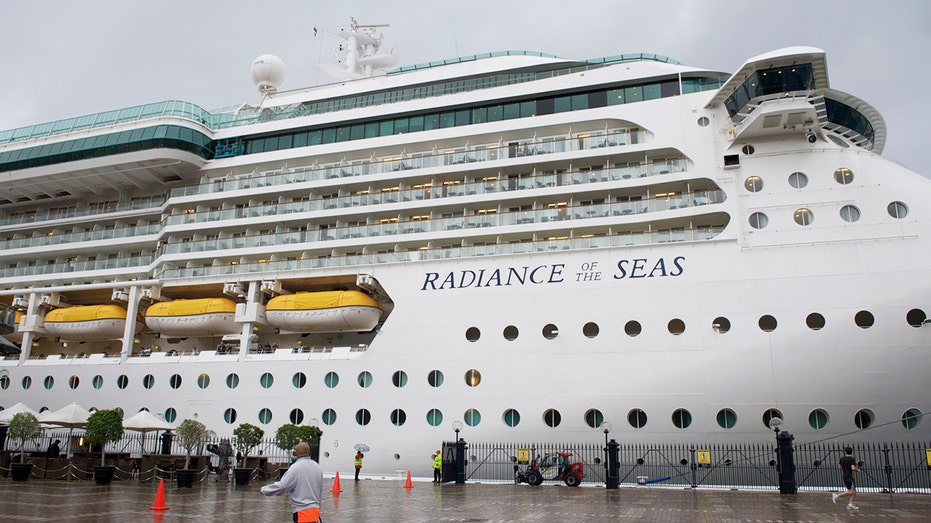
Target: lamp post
606, 428
457, 426
460, 454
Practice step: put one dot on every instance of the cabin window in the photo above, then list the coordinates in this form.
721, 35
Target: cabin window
399, 379
726, 418
398, 417
364, 379
174, 381
767, 323
843, 176
552, 418
758, 220
815, 321
897, 210
299, 380
171, 415
265, 416
435, 417
768, 416
73, 382
863, 419
329, 417
803, 217
753, 184
232, 380
818, 419
473, 377
122, 381
590, 330
676, 326
48, 382
681, 418
331, 380
911, 418
550, 331
296, 416
148, 381
633, 328
510, 333
511, 418
864, 319
229, 416
97, 382
850, 213
27, 382
435, 378
266, 380
203, 381
594, 418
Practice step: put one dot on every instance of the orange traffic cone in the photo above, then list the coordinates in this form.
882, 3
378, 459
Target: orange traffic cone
408, 484
336, 489
160, 497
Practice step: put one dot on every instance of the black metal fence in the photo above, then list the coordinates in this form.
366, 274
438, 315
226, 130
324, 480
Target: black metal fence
885, 467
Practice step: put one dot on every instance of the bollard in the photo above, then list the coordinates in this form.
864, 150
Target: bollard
786, 463
613, 479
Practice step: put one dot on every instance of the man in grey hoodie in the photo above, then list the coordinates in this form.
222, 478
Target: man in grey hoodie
303, 482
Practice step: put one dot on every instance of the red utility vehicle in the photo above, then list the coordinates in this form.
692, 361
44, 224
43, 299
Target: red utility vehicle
553, 466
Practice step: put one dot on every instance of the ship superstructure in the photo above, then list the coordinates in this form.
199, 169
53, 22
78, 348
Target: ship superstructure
524, 244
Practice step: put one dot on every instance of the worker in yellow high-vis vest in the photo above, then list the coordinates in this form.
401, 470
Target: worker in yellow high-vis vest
358, 463
438, 467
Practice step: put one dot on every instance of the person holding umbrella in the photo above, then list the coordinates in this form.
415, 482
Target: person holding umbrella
357, 461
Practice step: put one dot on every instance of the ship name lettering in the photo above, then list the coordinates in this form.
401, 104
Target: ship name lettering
644, 268
543, 274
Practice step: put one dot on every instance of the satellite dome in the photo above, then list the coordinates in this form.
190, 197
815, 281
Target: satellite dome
268, 73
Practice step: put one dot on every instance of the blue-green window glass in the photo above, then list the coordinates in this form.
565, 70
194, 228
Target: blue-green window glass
818, 419
331, 380
329, 417
495, 113
399, 379
463, 116
479, 115
727, 418
203, 381
511, 418
651, 92
472, 417
229, 416
594, 418
363, 417
415, 124
232, 380
171, 415
398, 417
435, 378
342, 133
48, 382
633, 94
122, 381
148, 381
910, 418
97, 382
4, 382
511, 111
266, 380
357, 131
579, 101
329, 135
400, 126
174, 381
371, 130
447, 119
27, 382
386, 128
296, 416
265, 416
365, 379
299, 380
300, 140
681, 418
315, 137
562, 104
434, 417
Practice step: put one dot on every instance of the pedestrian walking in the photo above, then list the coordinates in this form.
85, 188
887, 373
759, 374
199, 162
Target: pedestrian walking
848, 466
303, 482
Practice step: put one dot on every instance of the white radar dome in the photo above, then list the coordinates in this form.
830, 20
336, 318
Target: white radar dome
268, 73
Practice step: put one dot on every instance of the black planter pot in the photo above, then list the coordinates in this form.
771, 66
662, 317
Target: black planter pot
185, 477
20, 471
242, 476
103, 475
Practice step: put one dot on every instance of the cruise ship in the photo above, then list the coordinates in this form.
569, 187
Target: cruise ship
514, 246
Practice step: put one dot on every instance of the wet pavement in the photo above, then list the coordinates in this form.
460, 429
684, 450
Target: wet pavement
389, 501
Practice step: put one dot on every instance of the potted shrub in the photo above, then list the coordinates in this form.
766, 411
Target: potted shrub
289, 435
247, 437
104, 426
190, 434
23, 426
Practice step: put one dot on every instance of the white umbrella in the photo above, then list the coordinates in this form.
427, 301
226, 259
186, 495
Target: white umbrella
7, 414
72, 416
144, 421
361, 447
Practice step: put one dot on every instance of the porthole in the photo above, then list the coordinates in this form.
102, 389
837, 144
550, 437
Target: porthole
552, 418
399, 379
122, 381
911, 418
473, 377
753, 184
97, 382
769, 414
703, 121
843, 176
721, 325
550, 331
767, 323
299, 380
850, 213
815, 321
48, 382
798, 180
364, 379
473, 334
73, 382
203, 381
229, 416
296, 416
363, 417
435, 378
864, 319
758, 220
265, 416
148, 381
803, 217
590, 330
633, 328
27, 382
676, 326
916, 317
726, 418
818, 419
398, 417
637, 418
747, 149
434, 417
897, 210
594, 418
510, 333
266, 380
232, 380
511, 418
472, 417
329, 417
331, 380
681, 418
863, 419
4, 382
171, 415
174, 381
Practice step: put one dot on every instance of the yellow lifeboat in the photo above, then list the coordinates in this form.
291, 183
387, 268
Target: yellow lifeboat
87, 322
326, 311
198, 317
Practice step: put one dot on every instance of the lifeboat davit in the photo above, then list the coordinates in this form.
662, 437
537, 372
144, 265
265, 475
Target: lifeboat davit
16, 335
198, 317
325, 311
87, 322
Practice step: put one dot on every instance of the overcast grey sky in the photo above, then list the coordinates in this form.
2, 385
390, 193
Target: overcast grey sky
65, 58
